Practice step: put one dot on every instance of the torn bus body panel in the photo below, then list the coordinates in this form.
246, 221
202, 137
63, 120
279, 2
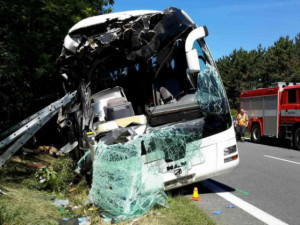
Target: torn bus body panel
119, 42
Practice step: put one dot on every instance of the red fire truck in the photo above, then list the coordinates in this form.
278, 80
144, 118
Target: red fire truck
273, 112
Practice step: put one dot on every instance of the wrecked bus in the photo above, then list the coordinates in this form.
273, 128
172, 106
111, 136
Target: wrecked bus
153, 111
150, 112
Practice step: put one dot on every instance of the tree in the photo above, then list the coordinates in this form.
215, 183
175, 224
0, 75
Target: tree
278, 60
245, 70
31, 38
239, 72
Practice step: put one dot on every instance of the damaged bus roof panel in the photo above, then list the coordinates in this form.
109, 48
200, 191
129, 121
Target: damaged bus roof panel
96, 20
72, 44
134, 35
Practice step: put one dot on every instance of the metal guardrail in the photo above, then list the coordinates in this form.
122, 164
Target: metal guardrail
28, 127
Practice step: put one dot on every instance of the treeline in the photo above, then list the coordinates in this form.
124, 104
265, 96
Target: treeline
258, 68
31, 38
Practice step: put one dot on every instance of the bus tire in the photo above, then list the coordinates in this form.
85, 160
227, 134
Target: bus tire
297, 138
255, 133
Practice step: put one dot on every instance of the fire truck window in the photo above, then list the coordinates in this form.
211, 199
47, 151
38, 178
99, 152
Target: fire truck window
292, 96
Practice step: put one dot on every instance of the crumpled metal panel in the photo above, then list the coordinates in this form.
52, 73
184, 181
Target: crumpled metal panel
135, 39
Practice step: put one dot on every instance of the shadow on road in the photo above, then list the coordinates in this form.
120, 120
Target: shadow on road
276, 142
188, 190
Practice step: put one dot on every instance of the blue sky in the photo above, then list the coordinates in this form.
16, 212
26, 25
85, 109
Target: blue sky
232, 23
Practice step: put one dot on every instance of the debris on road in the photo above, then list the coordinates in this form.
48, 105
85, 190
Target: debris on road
218, 212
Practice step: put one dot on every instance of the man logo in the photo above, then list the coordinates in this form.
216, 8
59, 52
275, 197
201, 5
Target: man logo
177, 171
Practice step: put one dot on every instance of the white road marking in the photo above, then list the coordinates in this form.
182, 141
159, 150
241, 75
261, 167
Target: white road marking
251, 209
272, 157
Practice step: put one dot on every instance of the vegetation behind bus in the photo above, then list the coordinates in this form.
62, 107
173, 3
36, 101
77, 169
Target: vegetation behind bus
244, 70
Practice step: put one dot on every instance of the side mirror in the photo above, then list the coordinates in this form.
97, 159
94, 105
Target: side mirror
193, 61
191, 54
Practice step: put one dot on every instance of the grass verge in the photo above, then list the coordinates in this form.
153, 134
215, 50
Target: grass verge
26, 202
22, 205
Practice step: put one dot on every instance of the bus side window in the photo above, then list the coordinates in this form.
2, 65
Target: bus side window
292, 97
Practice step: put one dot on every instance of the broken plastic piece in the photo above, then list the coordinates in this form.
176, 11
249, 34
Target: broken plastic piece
61, 203
84, 220
2, 192
67, 148
217, 212
124, 122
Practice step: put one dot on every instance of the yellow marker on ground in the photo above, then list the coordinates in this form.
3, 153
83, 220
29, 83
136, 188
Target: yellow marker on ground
195, 195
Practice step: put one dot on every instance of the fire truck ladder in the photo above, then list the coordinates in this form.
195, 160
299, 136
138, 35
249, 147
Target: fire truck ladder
24, 130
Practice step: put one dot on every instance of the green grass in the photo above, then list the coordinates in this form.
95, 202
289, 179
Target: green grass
247, 134
182, 211
233, 112
23, 203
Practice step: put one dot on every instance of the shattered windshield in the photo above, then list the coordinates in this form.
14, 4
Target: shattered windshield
210, 94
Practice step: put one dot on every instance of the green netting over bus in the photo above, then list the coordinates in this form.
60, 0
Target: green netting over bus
127, 178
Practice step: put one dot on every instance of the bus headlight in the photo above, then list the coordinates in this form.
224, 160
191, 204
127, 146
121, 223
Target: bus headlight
230, 150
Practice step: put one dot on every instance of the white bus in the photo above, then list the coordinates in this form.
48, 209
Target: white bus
156, 94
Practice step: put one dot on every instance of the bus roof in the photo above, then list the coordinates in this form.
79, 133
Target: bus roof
95, 20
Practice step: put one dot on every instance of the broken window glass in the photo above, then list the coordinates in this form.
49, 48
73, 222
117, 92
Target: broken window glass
210, 94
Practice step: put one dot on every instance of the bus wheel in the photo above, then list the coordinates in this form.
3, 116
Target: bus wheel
297, 139
255, 133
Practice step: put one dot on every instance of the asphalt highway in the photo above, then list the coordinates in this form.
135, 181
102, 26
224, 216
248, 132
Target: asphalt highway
267, 179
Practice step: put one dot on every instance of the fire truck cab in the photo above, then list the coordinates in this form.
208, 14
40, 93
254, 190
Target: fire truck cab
273, 112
